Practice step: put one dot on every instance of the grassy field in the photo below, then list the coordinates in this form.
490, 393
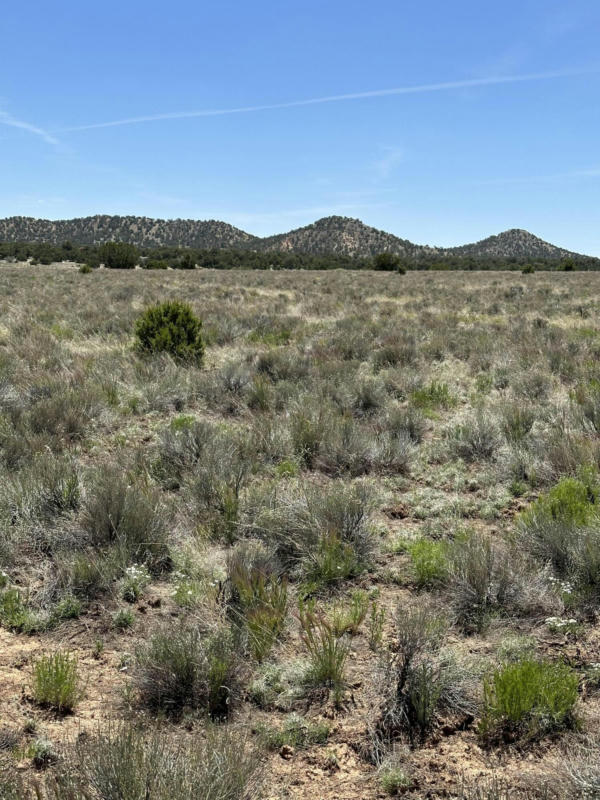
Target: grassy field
355, 554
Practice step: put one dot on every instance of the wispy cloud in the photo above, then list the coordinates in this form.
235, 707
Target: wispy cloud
391, 157
401, 90
590, 172
13, 122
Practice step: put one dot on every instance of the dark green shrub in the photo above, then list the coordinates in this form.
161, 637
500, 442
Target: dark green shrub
118, 255
529, 698
155, 263
389, 262
173, 328
186, 261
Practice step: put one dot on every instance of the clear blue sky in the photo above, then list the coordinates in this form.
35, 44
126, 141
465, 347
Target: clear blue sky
466, 155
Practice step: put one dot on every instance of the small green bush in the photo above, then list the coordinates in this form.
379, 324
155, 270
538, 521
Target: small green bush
394, 781
571, 501
529, 698
173, 328
15, 613
56, 681
332, 560
429, 561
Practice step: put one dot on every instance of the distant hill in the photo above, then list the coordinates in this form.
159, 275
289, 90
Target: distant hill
141, 231
515, 243
340, 236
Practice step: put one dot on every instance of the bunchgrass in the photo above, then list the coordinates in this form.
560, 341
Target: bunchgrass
56, 682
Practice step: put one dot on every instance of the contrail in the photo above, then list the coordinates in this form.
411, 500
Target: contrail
12, 122
336, 98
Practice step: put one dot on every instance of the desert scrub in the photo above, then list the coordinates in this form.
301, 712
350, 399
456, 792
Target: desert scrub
562, 527
16, 613
394, 780
413, 677
327, 650
258, 596
135, 579
56, 682
188, 667
571, 501
181, 447
313, 530
127, 517
128, 762
215, 486
41, 491
487, 577
528, 699
171, 327
474, 439
375, 625
516, 421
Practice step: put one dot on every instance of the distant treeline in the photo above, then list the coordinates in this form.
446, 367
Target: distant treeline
121, 255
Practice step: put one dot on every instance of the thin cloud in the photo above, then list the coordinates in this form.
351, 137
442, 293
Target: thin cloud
391, 158
591, 172
13, 122
421, 89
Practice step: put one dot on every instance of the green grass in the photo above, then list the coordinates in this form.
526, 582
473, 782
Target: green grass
429, 561
529, 698
435, 395
297, 732
327, 651
56, 682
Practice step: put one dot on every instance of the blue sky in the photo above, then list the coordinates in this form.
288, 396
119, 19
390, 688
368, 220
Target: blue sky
494, 121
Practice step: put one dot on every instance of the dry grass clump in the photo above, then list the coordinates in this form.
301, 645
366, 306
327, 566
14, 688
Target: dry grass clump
188, 667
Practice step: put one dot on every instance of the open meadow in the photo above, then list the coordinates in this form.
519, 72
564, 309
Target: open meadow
353, 554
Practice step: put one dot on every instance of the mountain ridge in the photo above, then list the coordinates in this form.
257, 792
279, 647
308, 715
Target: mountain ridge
333, 235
